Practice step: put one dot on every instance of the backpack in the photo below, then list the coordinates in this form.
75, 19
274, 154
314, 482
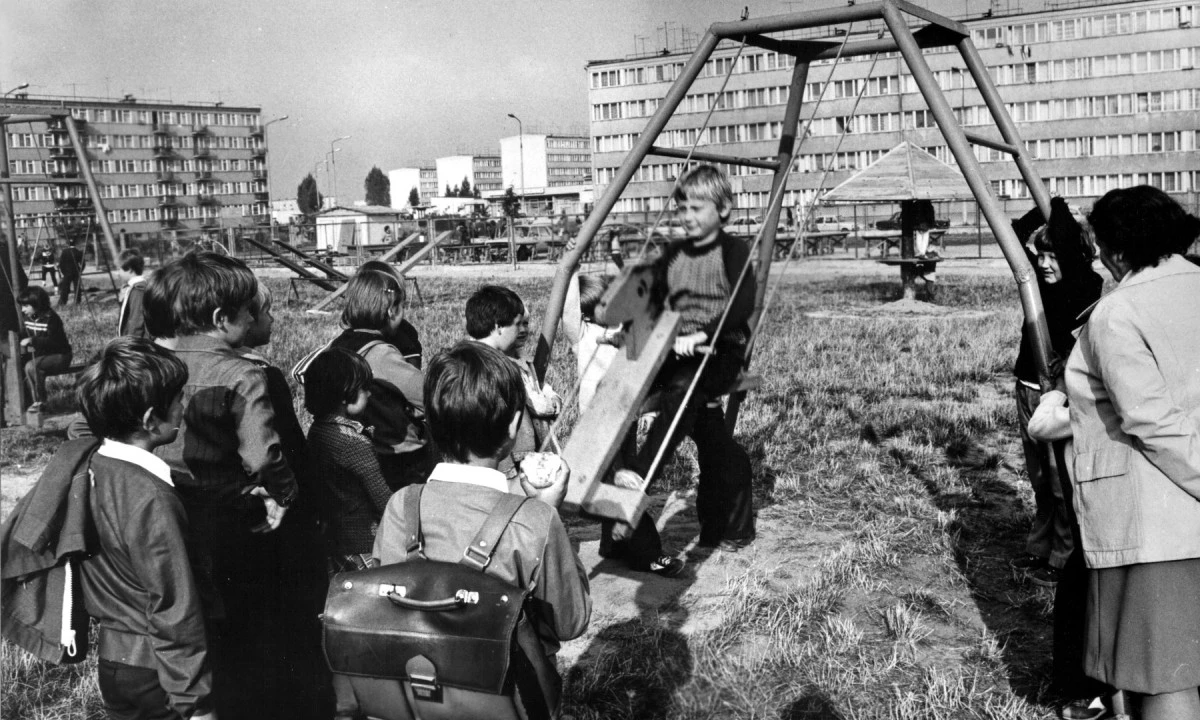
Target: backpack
426, 640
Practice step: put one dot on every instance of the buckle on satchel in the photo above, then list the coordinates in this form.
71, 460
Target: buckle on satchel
478, 558
422, 678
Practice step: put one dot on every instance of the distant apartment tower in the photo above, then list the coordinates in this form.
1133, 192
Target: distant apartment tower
481, 170
429, 183
163, 169
1105, 95
545, 167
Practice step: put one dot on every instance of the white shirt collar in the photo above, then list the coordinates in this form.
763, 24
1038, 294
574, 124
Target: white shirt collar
470, 475
148, 461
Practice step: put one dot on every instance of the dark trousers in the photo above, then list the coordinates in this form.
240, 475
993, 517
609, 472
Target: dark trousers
38, 367
50, 271
1050, 534
724, 496
1070, 609
69, 284
133, 693
404, 469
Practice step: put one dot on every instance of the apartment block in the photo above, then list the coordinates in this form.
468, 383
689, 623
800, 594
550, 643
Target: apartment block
163, 169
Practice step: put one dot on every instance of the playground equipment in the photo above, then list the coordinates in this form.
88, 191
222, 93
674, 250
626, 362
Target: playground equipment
933, 31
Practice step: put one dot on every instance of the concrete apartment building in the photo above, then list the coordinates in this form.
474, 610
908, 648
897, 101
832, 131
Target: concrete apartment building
1104, 96
163, 169
402, 182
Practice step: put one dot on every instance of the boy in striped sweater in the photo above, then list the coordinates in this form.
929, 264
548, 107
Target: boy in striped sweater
701, 277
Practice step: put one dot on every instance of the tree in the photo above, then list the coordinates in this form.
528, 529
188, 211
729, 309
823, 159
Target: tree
308, 199
478, 194
464, 190
378, 187
511, 203
414, 198
451, 192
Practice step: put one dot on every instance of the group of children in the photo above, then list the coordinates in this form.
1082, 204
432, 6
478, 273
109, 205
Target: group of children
197, 446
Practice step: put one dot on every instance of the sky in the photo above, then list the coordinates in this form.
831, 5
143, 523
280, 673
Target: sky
407, 80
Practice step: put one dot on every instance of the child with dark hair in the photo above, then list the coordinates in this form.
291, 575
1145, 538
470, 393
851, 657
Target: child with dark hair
373, 316
405, 337
474, 397
232, 474
46, 340
496, 317
128, 529
1062, 252
592, 342
130, 319
337, 386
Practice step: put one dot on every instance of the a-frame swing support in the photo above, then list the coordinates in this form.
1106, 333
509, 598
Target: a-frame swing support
935, 31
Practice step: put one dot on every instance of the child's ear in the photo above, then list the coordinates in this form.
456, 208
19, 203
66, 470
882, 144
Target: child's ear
219, 317
149, 420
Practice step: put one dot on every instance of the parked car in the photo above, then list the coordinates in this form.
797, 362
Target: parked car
893, 223
829, 223
750, 227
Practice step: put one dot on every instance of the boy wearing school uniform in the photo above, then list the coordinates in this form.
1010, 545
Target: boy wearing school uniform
133, 570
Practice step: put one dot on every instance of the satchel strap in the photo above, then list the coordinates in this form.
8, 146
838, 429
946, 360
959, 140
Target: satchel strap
412, 520
479, 553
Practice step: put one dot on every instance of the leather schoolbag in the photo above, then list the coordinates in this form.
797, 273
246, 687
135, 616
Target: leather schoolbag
426, 640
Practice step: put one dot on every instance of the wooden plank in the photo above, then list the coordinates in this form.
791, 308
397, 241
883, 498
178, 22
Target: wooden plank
387, 256
597, 436
332, 272
293, 266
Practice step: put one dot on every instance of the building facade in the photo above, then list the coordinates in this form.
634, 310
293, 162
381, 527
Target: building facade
402, 182
164, 170
1104, 96
429, 183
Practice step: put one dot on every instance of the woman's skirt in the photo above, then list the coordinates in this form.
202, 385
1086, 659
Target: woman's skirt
1143, 625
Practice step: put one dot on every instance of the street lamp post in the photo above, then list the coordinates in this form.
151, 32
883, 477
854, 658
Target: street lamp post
22, 86
512, 234
331, 152
267, 172
521, 150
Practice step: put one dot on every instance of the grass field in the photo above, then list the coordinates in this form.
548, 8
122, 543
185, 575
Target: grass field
885, 446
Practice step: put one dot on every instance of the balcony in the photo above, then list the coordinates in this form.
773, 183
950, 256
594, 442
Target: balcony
59, 171
163, 151
62, 151
168, 222
198, 130
167, 201
257, 132
262, 219
208, 200
166, 177
161, 129
57, 127
201, 151
204, 174
72, 203
259, 174
259, 152
210, 223
262, 196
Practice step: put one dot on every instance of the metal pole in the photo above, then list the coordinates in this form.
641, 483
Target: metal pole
15, 398
334, 160
766, 248
267, 173
86, 171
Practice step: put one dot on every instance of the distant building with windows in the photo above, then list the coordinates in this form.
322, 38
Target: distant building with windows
545, 168
481, 170
402, 181
429, 183
163, 169
1105, 96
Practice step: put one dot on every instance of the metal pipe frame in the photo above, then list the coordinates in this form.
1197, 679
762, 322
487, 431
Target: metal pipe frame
86, 170
714, 157
16, 397
977, 139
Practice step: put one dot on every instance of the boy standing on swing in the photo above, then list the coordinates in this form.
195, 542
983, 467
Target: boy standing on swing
700, 275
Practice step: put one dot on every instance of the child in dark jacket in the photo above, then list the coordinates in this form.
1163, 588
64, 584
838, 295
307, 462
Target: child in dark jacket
46, 341
130, 319
139, 585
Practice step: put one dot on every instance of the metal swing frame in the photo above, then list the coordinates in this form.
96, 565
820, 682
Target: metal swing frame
938, 31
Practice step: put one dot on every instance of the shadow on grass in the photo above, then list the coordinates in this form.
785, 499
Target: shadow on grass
989, 527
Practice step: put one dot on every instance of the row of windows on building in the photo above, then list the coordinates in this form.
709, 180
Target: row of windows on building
1007, 74
1028, 111
569, 157
566, 143
187, 212
102, 141
71, 167
1048, 149
35, 193
1084, 186
485, 162
165, 117
1100, 25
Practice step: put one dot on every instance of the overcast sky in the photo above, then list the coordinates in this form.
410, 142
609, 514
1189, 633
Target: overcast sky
409, 80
